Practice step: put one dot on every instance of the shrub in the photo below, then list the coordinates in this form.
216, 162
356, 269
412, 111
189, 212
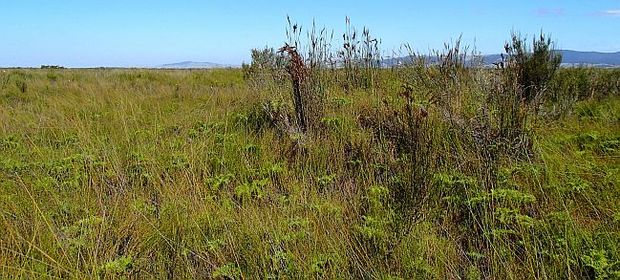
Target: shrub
266, 65
532, 67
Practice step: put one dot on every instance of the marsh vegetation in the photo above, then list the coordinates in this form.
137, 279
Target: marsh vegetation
433, 169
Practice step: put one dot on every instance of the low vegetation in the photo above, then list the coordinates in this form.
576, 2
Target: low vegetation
430, 170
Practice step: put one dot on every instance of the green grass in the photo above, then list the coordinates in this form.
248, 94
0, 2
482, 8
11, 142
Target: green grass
152, 174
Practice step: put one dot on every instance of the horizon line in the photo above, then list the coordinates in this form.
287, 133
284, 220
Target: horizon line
220, 65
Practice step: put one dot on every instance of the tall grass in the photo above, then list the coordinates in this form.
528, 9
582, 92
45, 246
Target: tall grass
188, 174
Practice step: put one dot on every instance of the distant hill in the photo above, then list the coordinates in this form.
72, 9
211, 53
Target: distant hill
194, 65
569, 59
576, 58
594, 58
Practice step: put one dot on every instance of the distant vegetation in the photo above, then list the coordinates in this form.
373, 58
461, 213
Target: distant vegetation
52, 67
313, 162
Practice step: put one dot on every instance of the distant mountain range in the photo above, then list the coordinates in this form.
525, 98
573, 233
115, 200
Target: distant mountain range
569, 59
591, 58
194, 65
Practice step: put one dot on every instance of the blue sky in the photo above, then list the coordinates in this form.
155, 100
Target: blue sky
79, 33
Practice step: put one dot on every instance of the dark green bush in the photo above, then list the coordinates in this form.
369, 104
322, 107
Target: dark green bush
531, 66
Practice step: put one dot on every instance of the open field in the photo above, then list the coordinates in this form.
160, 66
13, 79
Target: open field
196, 174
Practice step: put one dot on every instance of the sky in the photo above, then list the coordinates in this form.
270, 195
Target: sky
123, 33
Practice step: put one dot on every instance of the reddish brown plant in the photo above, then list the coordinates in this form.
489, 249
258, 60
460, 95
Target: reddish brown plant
299, 74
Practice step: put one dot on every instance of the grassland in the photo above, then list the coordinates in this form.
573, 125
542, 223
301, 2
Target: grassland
151, 174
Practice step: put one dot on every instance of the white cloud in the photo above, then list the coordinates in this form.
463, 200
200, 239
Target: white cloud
611, 13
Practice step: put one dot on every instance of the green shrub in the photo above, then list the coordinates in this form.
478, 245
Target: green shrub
533, 66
